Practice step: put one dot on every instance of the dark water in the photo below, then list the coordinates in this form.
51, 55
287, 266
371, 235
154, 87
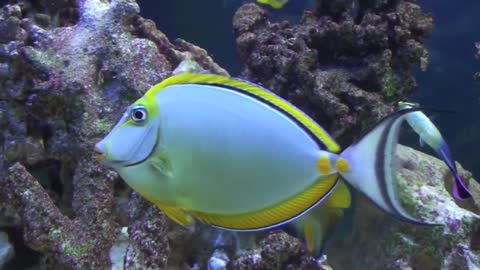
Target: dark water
446, 85
448, 82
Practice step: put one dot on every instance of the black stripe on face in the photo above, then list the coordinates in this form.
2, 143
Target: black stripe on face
146, 157
125, 164
284, 112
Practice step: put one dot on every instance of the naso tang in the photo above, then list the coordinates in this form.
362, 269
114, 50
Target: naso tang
430, 135
273, 3
229, 153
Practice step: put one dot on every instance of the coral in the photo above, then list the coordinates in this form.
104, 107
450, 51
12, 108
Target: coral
343, 69
399, 245
148, 247
277, 250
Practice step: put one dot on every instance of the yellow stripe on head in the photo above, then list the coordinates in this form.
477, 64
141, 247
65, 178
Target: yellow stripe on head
254, 90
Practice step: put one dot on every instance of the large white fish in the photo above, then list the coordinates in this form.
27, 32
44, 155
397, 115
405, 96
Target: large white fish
229, 153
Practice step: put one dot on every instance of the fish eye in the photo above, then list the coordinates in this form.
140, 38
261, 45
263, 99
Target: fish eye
138, 114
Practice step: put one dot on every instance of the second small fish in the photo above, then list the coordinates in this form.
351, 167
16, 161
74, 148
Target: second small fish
430, 135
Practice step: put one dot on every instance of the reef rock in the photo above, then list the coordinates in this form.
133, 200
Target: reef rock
379, 241
342, 68
67, 71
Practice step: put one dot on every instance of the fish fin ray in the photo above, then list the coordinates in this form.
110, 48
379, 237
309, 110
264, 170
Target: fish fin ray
273, 216
372, 165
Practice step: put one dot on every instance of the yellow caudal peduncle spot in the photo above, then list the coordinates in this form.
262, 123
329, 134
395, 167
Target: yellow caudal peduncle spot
323, 165
342, 165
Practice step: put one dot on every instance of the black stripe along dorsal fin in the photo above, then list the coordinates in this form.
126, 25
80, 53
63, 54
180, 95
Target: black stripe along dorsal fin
258, 92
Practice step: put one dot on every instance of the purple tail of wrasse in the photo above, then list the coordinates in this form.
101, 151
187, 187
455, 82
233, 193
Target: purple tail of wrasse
459, 189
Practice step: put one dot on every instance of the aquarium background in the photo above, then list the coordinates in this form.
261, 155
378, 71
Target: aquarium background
447, 85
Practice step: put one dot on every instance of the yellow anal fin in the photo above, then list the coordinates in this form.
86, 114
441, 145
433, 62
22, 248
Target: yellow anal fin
177, 214
340, 197
275, 215
320, 223
318, 226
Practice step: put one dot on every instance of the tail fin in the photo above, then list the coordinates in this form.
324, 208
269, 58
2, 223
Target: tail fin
459, 189
371, 165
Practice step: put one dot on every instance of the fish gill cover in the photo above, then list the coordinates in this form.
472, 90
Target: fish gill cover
69, 68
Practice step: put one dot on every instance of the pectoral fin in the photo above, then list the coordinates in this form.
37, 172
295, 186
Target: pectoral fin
161, 163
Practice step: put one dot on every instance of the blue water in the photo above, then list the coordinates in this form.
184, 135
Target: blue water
446, 85
448, 82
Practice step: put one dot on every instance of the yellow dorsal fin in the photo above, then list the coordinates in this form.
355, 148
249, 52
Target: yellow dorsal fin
273, 3
340, 197
273, 216
252, 90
